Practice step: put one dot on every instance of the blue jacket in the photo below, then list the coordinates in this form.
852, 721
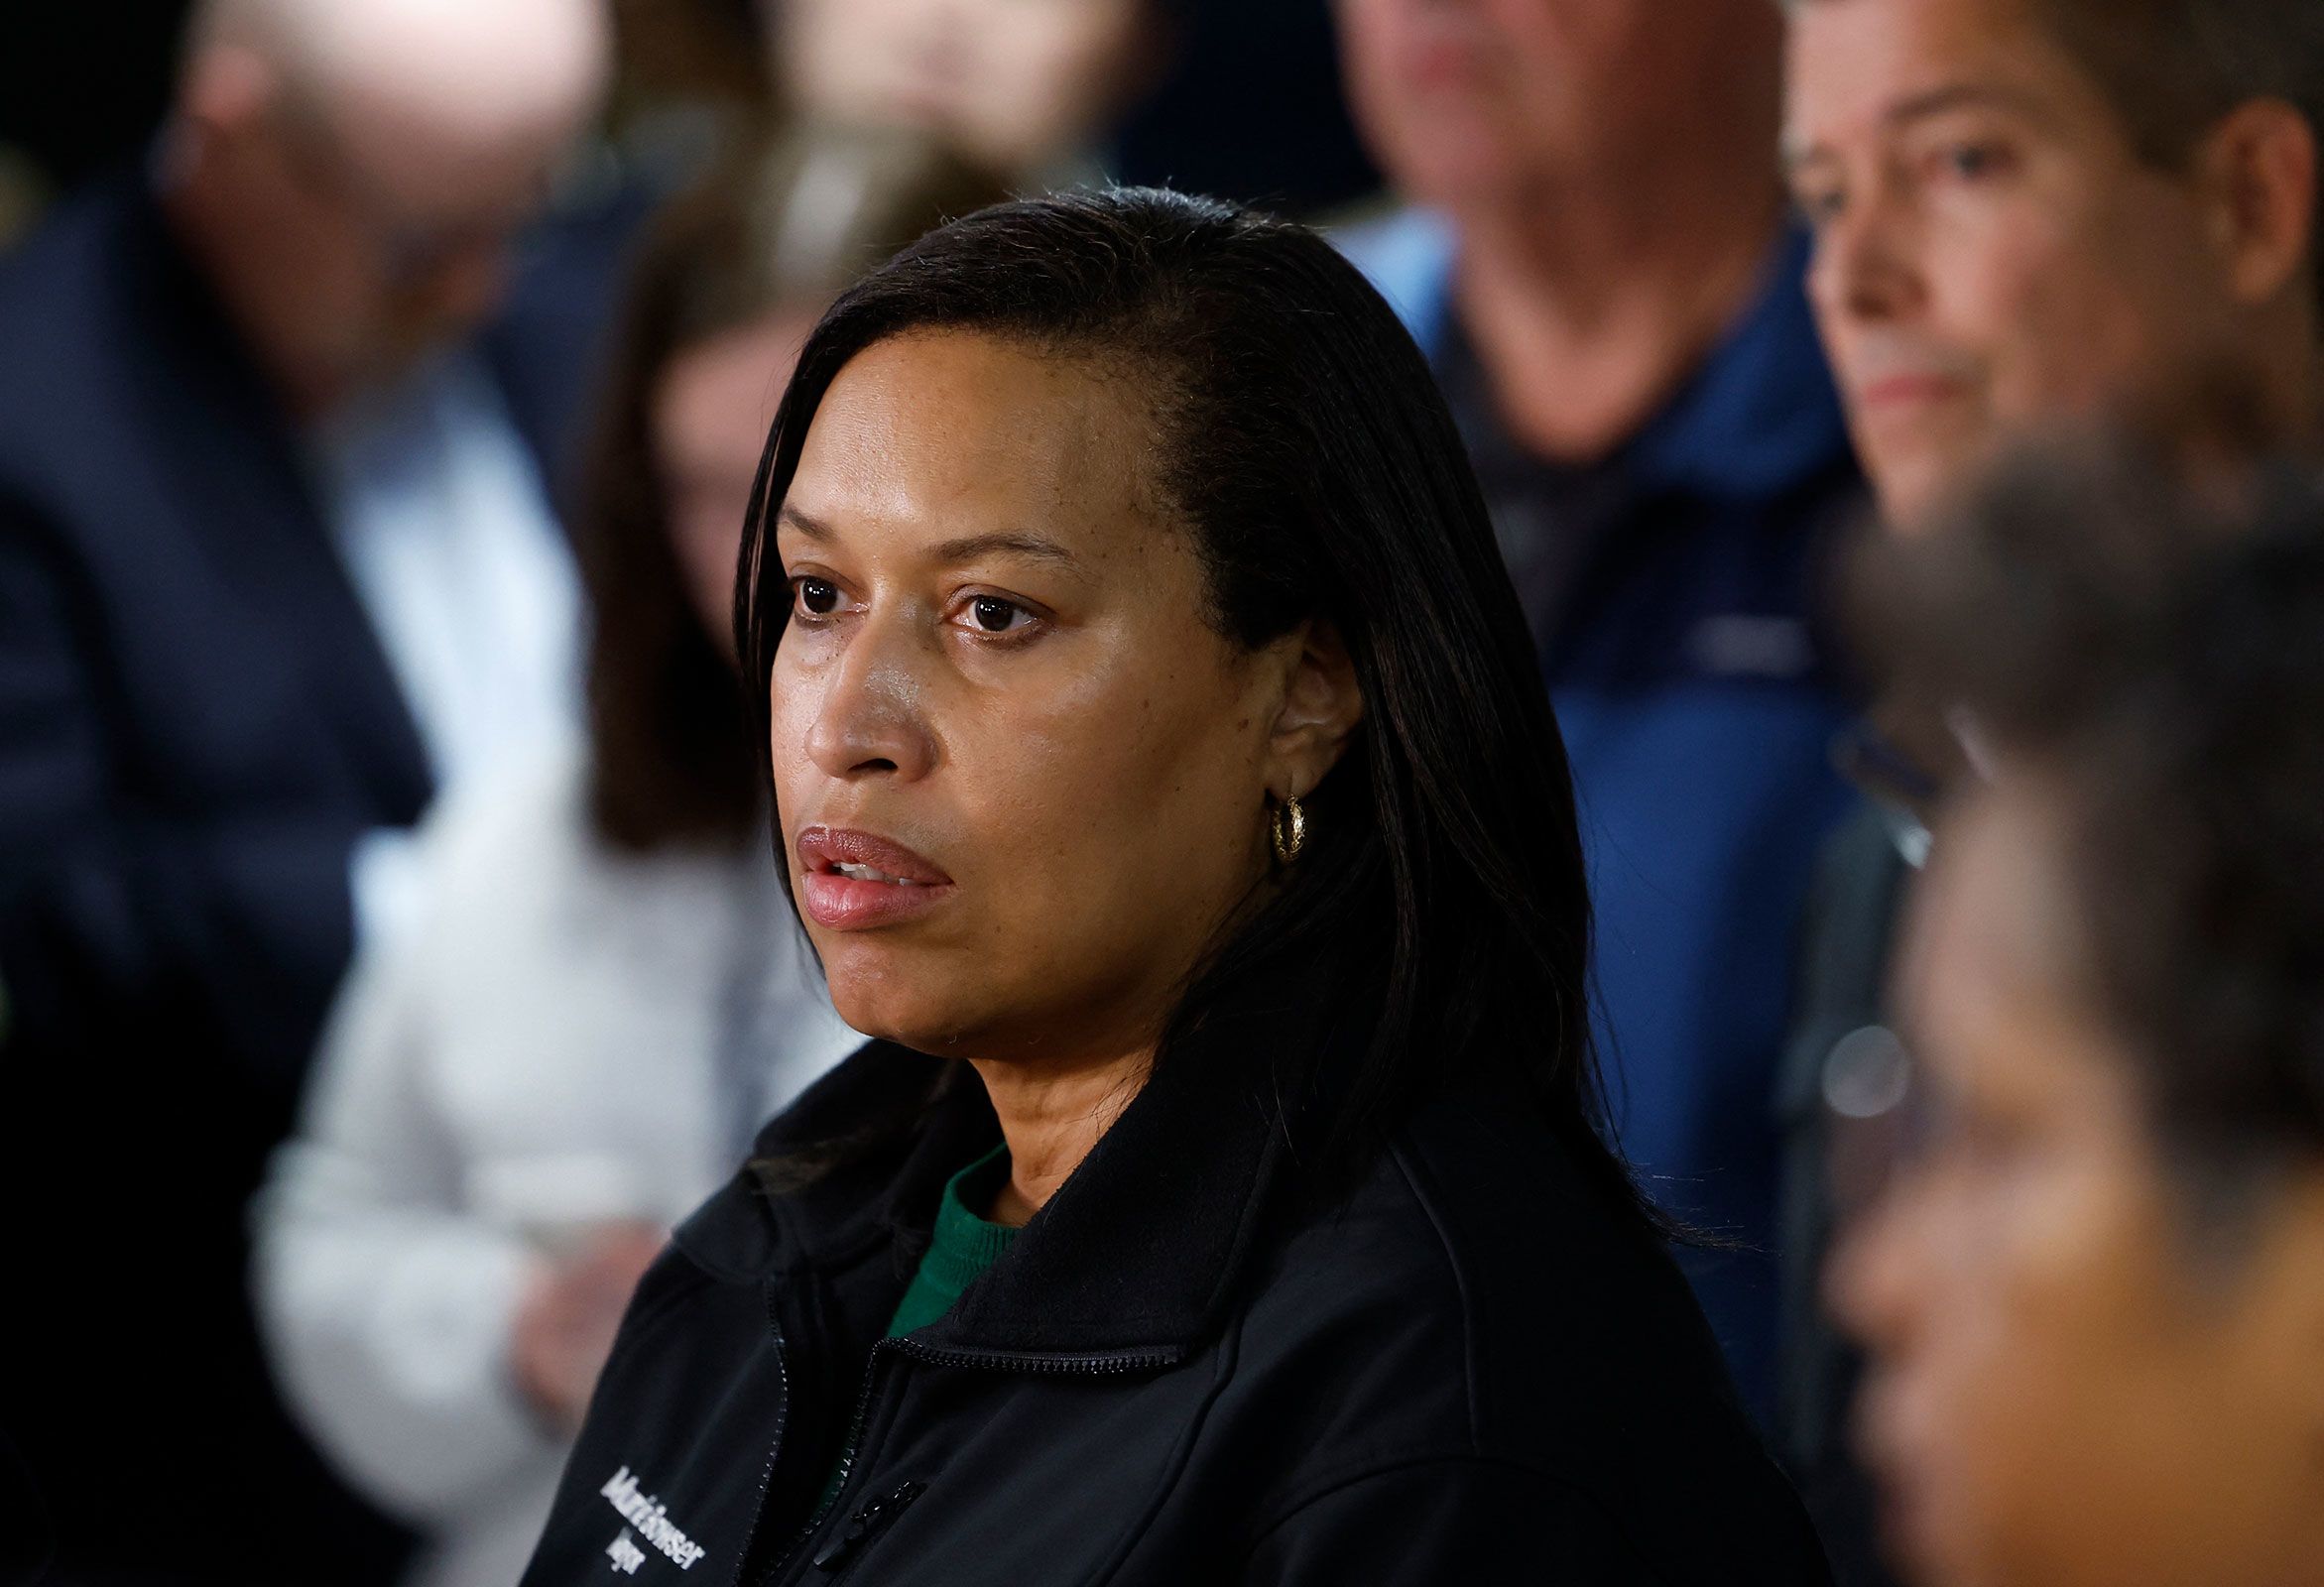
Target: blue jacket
1695, 689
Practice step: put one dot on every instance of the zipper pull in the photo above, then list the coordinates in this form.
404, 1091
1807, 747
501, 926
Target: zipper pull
867, 1525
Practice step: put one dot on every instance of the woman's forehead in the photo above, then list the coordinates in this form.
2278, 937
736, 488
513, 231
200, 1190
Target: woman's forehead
953, 433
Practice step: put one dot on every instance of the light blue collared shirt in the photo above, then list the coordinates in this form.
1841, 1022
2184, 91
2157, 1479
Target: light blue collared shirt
442, 521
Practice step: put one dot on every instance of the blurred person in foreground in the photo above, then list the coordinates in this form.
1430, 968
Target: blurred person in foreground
1164, 777
606, 995
2095, 1301
1026, 87
1599, 265
277, 561
2026, 212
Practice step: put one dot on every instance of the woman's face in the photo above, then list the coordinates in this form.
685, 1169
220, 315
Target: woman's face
2071, 1383
711, 413
999, 704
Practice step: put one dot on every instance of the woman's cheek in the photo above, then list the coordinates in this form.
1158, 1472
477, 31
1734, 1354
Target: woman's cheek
795, 698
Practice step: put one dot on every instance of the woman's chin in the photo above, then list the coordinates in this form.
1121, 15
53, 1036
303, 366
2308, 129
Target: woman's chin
934, 1028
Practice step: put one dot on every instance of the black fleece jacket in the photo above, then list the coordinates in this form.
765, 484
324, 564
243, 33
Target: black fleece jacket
1186, 1369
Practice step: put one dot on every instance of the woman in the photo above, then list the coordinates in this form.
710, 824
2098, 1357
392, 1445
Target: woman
2095, 1308
604, 994
1162, 772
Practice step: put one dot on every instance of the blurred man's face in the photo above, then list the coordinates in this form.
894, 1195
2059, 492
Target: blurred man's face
353, 225
1465, 99
1017, 84
1991, 253
2073, 1381
393, 238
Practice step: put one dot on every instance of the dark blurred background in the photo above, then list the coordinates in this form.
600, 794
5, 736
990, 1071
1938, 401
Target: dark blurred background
1252, 109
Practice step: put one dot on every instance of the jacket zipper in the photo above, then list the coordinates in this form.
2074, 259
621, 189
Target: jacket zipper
1122, 1362
774, 1447
867, 1524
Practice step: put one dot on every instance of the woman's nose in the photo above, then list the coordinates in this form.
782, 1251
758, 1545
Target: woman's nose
872, 719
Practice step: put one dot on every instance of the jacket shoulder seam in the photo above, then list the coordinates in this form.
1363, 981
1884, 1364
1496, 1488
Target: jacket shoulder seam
1472, 1390
688, 1285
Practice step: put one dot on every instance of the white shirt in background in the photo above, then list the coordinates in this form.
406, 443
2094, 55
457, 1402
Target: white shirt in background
441, 520
569, 1034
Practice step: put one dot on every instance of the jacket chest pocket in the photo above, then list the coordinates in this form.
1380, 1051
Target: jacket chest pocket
977, 1477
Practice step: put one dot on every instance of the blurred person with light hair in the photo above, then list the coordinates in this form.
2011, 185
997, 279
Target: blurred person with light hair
352, 176
607, 995
1597, 259
2026, 213
2094, 1301
1030, 88
279, 425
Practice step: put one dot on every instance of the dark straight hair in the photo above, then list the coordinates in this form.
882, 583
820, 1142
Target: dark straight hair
1437, 927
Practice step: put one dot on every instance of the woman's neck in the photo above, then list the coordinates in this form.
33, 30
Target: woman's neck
1051, 1116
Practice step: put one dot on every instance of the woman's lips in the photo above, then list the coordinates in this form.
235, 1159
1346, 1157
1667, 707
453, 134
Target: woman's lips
851, 880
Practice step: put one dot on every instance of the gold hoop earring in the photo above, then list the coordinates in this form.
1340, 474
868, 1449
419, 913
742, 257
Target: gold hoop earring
1289, 828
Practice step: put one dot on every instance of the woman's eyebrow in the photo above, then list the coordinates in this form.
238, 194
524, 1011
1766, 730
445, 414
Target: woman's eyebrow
813, 529
963, 548
969, 547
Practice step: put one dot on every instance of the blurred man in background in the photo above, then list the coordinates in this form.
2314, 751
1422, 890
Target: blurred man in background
277, 559
1603, 274
2028, 214
2028, 211
1029, 90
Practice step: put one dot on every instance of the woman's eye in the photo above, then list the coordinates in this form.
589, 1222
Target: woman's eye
816, 597
993, 615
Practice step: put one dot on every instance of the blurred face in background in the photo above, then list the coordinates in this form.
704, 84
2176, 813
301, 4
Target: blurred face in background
1015, 85
1462, 100
1021, 778
2077, 1379
356, 234
712, 408
1991, 251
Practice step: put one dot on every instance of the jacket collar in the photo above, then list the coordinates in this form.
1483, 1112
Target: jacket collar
1139, 1252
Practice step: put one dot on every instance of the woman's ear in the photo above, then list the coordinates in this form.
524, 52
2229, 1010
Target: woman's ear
2259, 165
1322, 703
